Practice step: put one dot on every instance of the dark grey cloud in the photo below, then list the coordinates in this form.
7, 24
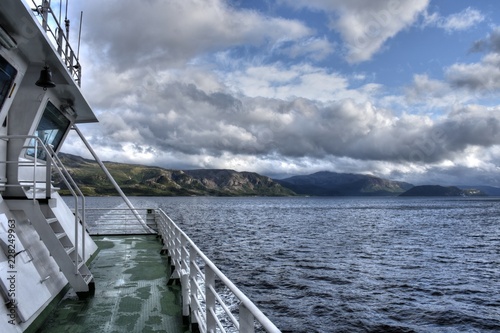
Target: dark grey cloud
489, 44
186, 119
480, 78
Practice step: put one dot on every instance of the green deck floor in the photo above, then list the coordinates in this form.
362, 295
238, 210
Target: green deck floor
131, 294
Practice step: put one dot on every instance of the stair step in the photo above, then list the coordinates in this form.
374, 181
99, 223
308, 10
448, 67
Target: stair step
69, 249
62, 251
60, 235
80, 263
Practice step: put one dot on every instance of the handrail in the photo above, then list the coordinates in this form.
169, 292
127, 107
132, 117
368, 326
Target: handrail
111, 179
188, 270
61, 40
119, 220
51, 160
75, 187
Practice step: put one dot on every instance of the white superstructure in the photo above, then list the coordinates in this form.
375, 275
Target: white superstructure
44, 246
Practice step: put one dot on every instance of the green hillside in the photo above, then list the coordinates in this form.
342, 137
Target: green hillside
139, 180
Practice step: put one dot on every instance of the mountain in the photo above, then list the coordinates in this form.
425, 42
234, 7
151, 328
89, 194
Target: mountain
154, 181
488, 190
440, 191
327, 183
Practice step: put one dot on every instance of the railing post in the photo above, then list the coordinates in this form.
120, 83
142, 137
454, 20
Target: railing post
246, 320
185, 276
185, 293
76, 236
34, 169
193, 274
210, 298
48, 177
84, 226
184, 254
45, 14
177, 245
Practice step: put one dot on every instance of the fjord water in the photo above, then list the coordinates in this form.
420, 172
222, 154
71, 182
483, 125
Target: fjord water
354, 264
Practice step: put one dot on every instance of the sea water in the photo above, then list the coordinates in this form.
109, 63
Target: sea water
353, 264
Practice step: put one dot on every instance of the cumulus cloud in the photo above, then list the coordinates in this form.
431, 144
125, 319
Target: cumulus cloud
186, 119
155, 32
461, 82
481, 77
169, 107
300, 80
188, 127
365, 25
489, 44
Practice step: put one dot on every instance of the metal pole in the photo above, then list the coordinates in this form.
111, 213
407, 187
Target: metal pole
34, 169
115, 184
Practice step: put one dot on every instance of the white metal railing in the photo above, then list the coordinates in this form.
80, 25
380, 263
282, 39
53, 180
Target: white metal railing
59, 37
204, 287
120, 220
49, 162
209, 298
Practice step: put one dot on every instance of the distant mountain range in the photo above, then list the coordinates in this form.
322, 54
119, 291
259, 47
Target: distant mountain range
442, 191
326, 183
140, 180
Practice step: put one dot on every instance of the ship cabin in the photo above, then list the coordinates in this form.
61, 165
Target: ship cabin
40, 102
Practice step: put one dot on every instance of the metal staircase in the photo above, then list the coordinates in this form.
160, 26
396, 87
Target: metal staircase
67, 247
61, 247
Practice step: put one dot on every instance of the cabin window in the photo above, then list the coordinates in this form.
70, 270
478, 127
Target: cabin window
7, 76
51, 130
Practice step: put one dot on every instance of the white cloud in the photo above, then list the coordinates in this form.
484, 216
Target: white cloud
155, 32
464, 20
178, 107
300, 80
480, 78
365, 25
313, 48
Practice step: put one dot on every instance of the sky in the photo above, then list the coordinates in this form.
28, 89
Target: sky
404, 90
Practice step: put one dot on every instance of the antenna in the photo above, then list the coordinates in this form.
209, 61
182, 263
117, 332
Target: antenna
66, 21
79, 37
60, 11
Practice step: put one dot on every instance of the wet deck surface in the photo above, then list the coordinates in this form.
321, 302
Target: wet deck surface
131, 292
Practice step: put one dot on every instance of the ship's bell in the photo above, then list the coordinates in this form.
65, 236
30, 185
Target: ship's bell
45, 80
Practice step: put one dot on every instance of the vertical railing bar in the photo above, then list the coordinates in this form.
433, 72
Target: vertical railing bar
185, 276
185, 294
209, 298
34, 169
193, 284
83, 227
76, 237
247, 324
